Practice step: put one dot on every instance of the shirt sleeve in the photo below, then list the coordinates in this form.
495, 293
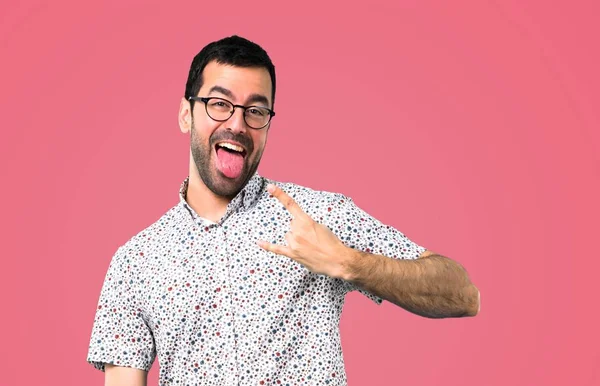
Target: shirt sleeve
359, 230
120, 335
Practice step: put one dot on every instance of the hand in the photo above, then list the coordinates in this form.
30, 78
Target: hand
308, 242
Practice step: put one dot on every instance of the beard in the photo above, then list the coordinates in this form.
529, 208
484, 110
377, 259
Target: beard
203, 152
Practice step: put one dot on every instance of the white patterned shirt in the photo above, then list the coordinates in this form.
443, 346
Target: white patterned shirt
219, 310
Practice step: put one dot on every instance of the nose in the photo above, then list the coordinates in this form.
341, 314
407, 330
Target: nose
236, 123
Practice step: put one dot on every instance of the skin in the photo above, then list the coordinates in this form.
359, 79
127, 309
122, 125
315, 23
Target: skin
209, 191
432, 285
124, 376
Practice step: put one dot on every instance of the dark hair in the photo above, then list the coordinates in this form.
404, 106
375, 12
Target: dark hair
233, 50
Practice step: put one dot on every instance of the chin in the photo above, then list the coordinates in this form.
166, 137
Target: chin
225, 186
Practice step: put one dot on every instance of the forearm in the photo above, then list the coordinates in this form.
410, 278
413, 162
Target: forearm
432, 286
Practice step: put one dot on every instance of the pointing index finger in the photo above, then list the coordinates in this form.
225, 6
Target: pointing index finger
288, 202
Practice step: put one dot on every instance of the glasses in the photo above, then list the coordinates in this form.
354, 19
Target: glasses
220, 110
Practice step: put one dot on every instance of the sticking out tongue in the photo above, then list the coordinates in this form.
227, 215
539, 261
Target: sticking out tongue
230, 163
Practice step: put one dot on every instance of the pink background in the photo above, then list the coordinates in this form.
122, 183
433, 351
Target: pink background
485, 147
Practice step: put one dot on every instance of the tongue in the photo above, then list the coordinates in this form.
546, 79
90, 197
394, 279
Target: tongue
230, 163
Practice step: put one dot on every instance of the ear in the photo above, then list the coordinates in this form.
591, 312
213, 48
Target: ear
185, 116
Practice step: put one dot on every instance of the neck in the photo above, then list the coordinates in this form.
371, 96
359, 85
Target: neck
202, 200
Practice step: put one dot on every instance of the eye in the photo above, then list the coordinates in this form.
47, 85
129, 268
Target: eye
256, 112
219, 104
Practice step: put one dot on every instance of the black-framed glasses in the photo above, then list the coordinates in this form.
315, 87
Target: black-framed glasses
220, 110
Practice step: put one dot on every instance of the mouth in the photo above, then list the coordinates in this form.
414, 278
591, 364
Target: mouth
230, 160
231, 147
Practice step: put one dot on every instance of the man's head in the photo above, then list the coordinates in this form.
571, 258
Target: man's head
231, 70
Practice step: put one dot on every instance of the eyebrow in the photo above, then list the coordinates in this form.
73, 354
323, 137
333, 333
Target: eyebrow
254, 98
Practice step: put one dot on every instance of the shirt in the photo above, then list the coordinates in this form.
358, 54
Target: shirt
219, 310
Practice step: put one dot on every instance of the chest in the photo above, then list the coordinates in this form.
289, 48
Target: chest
213, 276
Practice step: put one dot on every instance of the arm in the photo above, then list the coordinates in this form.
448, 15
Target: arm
120, 333
432, 285
124, 376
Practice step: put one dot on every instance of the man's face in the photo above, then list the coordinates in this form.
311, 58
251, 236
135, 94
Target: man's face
223, 170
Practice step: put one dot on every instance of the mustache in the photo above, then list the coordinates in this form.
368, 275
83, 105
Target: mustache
226, 135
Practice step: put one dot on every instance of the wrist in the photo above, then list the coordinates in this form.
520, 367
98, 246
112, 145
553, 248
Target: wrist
351, 264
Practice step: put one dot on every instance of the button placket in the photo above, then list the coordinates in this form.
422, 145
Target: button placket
226, 295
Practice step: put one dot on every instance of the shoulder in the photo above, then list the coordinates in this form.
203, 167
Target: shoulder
160, 233
312, 200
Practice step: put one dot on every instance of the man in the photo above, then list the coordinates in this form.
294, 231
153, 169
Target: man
243, 281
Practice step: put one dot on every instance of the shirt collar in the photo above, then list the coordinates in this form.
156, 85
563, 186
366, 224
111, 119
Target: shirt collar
242, 201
